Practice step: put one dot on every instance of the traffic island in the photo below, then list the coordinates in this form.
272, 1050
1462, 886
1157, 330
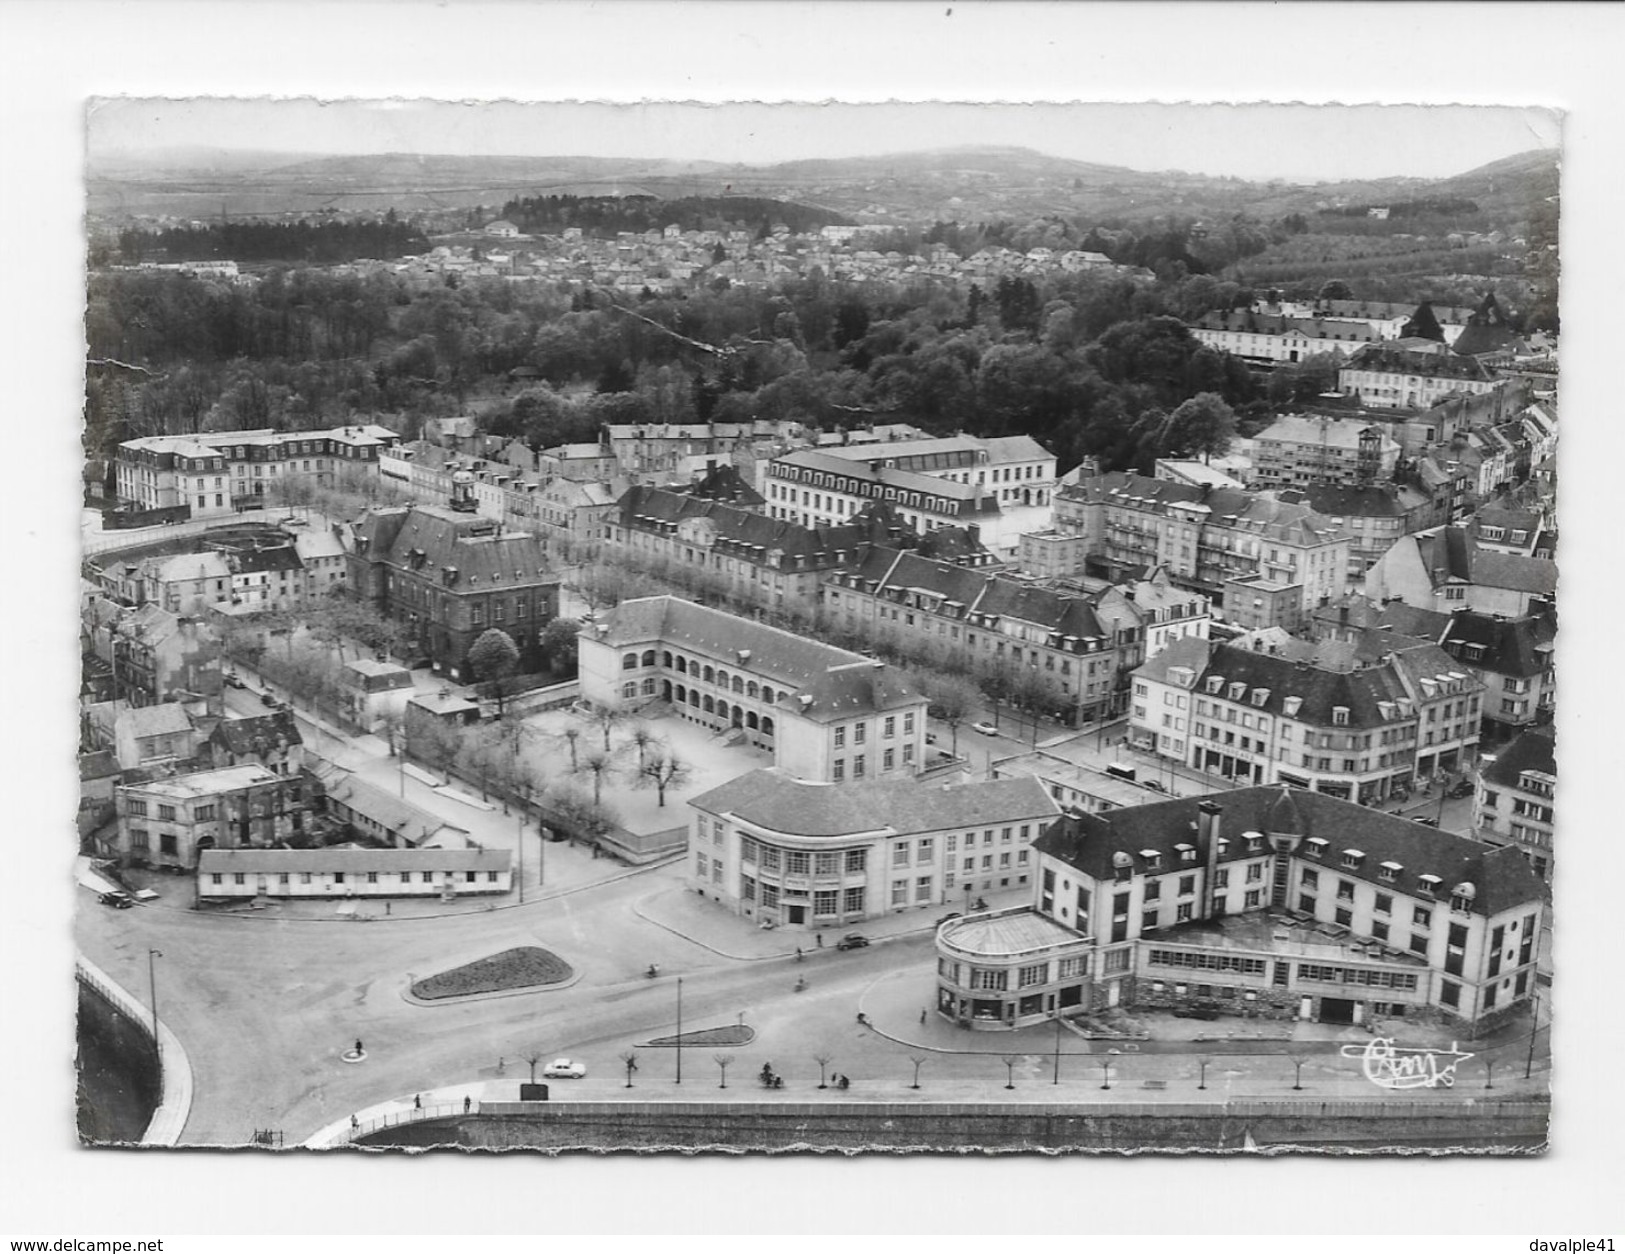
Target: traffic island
511, 970
732, 1034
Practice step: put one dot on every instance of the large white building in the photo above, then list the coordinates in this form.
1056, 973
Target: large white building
824, 713
1257, 903
1003, 485
787, 852
221, 472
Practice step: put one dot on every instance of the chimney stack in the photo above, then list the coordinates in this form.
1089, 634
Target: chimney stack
1208, 839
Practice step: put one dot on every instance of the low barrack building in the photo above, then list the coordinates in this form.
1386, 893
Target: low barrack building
226, 874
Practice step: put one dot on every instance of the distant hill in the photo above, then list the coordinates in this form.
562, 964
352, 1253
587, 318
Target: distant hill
965, 184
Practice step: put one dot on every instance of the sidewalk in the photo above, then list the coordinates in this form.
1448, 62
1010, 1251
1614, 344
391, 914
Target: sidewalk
712, 926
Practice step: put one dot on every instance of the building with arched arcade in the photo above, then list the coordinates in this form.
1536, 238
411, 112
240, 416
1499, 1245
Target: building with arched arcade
824, 713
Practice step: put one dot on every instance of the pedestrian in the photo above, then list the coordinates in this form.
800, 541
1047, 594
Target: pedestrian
386, 907
354, 1123
845, 1083
922, 1016
359, 1051
417, 1101
467, 1102
820, 937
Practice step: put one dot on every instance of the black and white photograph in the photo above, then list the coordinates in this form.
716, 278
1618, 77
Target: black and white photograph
620, 628
939, 646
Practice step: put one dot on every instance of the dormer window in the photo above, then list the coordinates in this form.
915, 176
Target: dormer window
1314, 846
1260, 695
1340, 716
1238, 691
1153, 859
1292, 706
1428, 885
1187, 853
1254, 843
1389, 871
1352, 858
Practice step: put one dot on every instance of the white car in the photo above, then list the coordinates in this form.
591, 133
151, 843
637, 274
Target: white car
987, 729
564, 1069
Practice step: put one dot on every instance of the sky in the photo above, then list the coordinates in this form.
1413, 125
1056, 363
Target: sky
1298, 143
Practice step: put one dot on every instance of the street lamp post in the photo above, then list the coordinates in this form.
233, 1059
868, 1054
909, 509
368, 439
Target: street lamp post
679, 1029
152, 989
1534, 1029
1056, 1079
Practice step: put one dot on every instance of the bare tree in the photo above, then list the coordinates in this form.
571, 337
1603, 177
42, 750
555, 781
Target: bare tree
532, 1057
629, 1060
823, 1061
722, 1061
598, 763
919, 1060
662, 772
643, 736
1010, 1061
572, 737
607, 716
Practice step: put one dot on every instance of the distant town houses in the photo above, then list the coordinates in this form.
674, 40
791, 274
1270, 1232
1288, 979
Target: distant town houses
1231, 546
1375, 516
783, 851
1363, 728
1411, 374
1261, 902
224, 472
825, 714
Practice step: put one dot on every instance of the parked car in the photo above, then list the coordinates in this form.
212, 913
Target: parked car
852, 940
232, 681
1464, 788
564, 1069
1153, 785
986, 728
930, 738
117, 899
1428, 822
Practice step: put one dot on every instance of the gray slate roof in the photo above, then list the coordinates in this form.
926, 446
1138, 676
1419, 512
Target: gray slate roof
774, 800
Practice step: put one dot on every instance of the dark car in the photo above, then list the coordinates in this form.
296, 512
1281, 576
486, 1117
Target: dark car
852, 940
233, 681
1428, 822
117, 899
1153, 785
1463, 789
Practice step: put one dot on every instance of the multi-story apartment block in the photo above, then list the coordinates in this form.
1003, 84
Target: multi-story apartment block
450, 576
768, 563
783, 851
1081, 643
1360, 732
1298, 449
168, 822
1261, 902
824, 713
1408, 376
150, 654
1281, 338
1375, 517
220, 472
1204, 537
1514, 801
1004, 485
